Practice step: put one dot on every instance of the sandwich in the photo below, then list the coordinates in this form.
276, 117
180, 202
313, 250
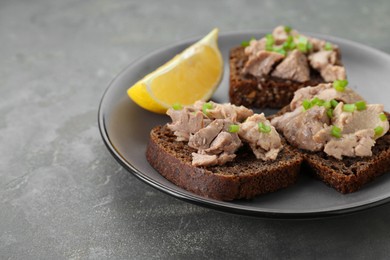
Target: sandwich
344, 140
266, 72
222, 151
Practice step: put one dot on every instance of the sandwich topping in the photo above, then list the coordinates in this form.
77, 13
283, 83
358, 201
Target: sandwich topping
217, 131
326, 91
333, 119
261, 136
216, 145
287, 54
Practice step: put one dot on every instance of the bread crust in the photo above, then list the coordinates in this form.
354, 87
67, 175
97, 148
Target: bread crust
268, 92
244, 178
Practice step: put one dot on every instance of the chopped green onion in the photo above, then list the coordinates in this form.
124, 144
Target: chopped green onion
177, 106
378, 130
286, 45
233, 128
340, 85
317, 101
360, 105
279, 50
247, 43
206, 106
287, 29
320, 102
269, 42
334, 103
314, 101
349, 108
328, 46
270, 39
327, 104
306, 104
302, 44
336, 132
329, 112
383, 117
289, 44
269, 48
264, 128
292, 46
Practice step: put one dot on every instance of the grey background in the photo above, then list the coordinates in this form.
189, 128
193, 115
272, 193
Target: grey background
63, 196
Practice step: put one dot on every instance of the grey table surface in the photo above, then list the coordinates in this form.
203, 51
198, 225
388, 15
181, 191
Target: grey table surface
63, 196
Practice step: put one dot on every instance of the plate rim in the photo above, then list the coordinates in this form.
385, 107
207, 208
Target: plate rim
215, 204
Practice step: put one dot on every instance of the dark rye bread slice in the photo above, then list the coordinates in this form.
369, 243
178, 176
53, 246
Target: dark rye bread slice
351, 173
243, 178
271, 92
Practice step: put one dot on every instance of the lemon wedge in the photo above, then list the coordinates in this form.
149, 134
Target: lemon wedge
192, 75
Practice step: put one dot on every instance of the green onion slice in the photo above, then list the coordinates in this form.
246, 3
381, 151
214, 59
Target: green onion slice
340, 85
233, 128
378, 130
329, 112
349, 108
287, 29
269, 41
177, 106
269, 48
317, 101
320, 102
206, 106
289, 44
334, 103
264, 128
336, 132
302, 44
306, 104
327, 104
247, 43
360, 105
292, 46
383, 117
279, 50
328, 46
289, 39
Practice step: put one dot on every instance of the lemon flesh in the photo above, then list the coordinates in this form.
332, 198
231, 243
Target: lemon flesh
191, 75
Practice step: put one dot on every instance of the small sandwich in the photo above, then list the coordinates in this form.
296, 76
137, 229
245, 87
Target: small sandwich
344, 140
267, 72
222, 151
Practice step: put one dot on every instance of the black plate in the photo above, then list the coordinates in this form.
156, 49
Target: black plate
125, 130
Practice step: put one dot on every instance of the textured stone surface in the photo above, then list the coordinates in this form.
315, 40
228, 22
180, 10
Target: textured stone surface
62, 195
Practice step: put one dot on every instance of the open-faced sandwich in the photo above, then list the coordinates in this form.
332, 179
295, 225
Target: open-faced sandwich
222, 151
267, 72
345, 141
